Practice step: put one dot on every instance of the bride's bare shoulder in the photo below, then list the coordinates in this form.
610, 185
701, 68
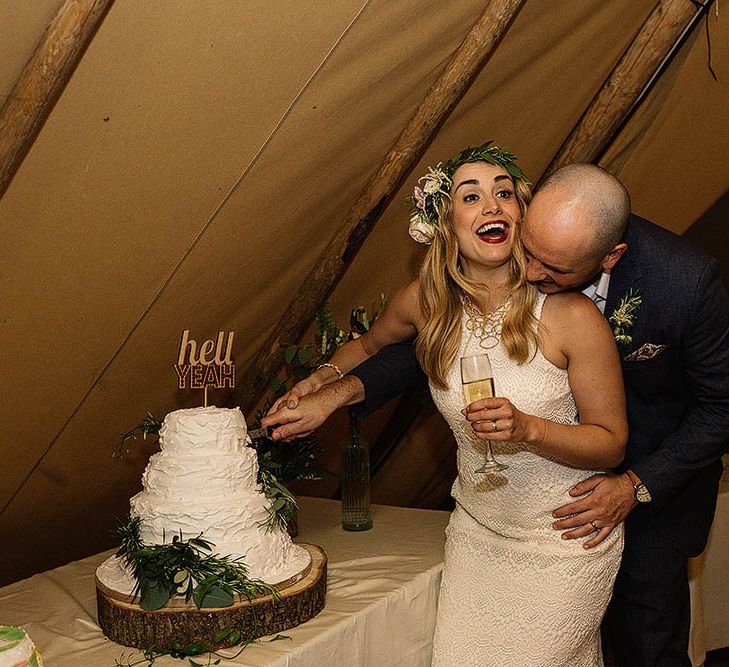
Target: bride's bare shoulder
406, 301
408, 294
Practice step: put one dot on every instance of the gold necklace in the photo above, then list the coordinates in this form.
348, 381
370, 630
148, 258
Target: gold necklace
487, 328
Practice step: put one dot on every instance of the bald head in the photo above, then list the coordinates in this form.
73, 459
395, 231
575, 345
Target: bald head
601, 199
574, 227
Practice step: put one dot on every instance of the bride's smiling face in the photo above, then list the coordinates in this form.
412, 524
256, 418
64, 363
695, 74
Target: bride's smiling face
484, 214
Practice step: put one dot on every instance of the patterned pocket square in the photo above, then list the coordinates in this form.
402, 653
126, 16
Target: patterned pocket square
645, 351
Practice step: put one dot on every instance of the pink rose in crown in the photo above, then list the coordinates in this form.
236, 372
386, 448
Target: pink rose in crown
419, 197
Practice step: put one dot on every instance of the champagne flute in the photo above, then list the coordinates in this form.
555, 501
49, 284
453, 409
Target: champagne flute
478, 382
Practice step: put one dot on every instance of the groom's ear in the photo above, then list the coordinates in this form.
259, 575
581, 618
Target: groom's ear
613, 256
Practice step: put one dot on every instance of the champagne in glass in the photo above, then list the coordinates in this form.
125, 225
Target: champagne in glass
478, 382
475, 391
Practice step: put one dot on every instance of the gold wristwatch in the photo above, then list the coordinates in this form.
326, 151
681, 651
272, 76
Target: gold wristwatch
640, 490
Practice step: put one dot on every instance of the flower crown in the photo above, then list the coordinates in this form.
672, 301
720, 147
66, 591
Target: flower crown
437, 184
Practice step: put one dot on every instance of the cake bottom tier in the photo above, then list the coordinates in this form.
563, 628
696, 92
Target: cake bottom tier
127, 623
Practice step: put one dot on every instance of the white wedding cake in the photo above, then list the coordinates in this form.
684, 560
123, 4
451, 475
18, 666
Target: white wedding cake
204, 480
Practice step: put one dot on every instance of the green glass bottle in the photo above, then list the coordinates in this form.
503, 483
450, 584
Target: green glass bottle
356, 506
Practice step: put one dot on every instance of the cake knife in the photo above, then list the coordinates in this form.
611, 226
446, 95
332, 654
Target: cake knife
258, 433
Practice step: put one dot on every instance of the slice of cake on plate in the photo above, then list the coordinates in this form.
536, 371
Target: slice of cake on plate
17, 649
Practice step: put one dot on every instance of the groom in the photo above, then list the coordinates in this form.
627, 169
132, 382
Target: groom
675, 356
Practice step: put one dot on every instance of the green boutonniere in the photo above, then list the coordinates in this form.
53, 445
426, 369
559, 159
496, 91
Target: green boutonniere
623, 319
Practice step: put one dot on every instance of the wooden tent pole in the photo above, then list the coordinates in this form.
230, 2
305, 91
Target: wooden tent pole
43, 80
444, 94
625, 84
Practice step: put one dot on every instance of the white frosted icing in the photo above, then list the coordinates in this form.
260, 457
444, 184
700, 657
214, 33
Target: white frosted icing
205, 474
204, 480
114, 575
20, 654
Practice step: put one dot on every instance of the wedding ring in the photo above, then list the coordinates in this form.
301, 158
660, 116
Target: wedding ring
594, 525
494, 428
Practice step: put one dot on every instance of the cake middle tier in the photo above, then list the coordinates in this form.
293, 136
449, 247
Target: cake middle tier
201, 476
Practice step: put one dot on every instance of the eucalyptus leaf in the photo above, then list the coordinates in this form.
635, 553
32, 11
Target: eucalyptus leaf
216, 597
234, 637
155, 597
194, 649
221, 634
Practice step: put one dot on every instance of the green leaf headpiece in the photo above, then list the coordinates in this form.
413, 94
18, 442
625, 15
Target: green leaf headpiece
437, 183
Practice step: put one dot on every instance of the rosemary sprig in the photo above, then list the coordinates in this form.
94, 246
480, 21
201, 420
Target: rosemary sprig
150, 425
623, 319
283, 503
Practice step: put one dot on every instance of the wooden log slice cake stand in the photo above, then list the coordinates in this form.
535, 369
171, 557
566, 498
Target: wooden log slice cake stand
300, 599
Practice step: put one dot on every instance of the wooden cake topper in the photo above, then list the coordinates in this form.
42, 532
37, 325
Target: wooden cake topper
205, 366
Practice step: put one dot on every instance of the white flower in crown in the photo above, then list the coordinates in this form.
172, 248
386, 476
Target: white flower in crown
426, 201
421, 229
435, 180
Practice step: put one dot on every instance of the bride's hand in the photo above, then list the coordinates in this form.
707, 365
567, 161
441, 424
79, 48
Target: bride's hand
321, 376
310, 413
292, 397
497, 419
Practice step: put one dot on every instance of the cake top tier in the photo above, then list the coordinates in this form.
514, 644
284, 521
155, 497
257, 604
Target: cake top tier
208, 428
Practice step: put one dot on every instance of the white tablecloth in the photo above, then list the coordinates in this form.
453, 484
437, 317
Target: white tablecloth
380, 604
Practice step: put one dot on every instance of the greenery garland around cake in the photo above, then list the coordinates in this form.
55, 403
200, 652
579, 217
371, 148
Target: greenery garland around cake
231, 636
184, 567
189, 568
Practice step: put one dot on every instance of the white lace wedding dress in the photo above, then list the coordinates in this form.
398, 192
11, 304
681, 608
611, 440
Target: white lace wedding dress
513, 592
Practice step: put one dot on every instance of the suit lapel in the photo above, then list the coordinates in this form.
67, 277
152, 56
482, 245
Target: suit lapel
627, 273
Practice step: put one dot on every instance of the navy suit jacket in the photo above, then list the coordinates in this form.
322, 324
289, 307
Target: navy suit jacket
678, 401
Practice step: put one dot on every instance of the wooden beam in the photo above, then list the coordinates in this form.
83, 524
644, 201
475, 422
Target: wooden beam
43, 80
623, 87
443, 95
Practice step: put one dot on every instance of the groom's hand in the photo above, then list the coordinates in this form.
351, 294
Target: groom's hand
313, 409
604, 500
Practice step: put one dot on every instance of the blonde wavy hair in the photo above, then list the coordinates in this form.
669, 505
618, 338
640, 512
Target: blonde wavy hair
442, 285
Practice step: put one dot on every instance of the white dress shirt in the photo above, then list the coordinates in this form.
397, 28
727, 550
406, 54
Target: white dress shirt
598, 290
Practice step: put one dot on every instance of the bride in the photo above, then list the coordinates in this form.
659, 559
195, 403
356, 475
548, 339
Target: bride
513, 591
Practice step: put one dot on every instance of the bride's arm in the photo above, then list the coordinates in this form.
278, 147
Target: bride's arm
574, 335
397, 323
